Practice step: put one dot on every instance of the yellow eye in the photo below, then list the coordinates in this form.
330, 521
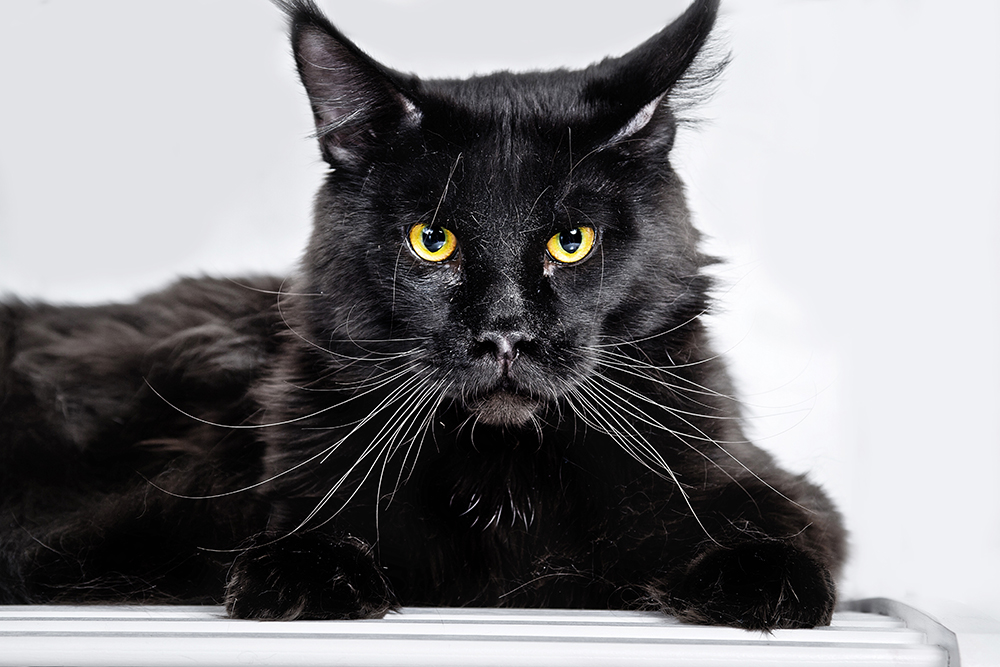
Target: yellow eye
435, 244
572, 245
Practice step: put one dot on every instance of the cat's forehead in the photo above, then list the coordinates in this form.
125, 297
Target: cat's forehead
504, 150
542, 104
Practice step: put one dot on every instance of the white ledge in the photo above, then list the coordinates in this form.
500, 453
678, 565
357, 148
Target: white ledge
109, 636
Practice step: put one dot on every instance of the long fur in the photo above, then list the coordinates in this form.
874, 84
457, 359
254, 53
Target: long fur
497, 425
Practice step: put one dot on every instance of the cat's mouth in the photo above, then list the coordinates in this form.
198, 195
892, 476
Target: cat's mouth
504, 407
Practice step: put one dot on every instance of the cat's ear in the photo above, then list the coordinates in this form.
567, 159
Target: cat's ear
357, 103
629, 90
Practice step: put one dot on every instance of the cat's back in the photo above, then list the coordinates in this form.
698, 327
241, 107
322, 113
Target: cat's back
91, 379
117, 451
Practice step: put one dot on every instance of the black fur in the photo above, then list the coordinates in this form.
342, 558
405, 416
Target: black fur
496, 428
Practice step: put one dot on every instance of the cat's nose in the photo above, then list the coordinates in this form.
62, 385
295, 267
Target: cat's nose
505, 346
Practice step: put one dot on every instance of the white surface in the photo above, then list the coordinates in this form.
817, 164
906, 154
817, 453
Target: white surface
849, 170
110, 636
970, 638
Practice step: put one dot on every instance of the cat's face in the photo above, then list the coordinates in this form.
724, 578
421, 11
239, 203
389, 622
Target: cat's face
502, 229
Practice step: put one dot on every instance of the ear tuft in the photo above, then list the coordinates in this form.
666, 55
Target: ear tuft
630, 89
357, 103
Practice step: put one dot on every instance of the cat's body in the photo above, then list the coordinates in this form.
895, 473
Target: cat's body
489, 384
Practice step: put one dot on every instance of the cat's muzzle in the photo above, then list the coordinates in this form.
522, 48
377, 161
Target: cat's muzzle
506, 403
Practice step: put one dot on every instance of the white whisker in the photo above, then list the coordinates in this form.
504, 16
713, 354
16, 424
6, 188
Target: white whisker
629, 440
381, 442
681, 415
285, 422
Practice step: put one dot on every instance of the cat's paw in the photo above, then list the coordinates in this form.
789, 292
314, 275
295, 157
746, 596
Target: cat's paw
756, 586
307, 576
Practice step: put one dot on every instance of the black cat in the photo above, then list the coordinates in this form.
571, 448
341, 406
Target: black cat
489, 383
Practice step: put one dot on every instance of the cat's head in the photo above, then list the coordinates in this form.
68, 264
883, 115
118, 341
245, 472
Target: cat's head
503, 227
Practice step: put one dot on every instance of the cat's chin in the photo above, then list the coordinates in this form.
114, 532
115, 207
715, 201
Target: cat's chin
504, 408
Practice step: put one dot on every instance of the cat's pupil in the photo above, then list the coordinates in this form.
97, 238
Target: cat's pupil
571, 240
433, 238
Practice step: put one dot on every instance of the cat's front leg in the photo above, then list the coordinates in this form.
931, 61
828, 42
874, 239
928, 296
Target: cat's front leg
756, 585
307, 576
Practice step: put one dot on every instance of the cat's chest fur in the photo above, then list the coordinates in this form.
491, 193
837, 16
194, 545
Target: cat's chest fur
507, 524
484, 520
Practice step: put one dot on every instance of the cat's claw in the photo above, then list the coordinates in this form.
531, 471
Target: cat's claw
757, 586
307, 576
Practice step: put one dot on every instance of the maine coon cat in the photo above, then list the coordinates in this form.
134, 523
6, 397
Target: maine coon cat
489, 382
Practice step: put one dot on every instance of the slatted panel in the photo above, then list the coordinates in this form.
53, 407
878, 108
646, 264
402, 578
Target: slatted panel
111, 636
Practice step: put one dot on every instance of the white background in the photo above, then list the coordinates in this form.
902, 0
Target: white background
848, 168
